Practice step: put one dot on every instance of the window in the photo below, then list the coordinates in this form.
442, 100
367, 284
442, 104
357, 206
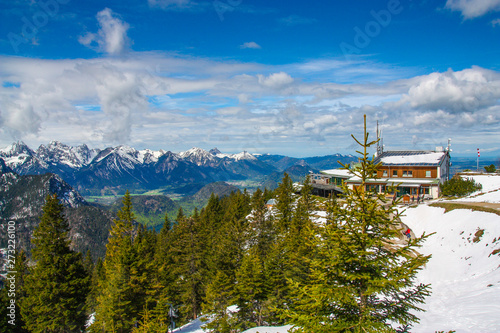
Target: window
428, 173
384, 173
394, 173
407, 173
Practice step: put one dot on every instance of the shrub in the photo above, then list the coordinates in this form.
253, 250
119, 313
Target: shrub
458, 186
490, 169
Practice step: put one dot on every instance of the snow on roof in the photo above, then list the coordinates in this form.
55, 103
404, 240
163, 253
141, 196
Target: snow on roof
411, 158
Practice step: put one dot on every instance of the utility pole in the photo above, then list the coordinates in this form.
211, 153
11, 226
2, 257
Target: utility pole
380, 145
478, 154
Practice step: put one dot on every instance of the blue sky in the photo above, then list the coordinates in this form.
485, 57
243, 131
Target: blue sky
286, 77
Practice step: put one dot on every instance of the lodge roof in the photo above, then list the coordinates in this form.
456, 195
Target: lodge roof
411, 157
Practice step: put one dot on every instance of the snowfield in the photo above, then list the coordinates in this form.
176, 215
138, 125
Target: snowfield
464, 272
490, 191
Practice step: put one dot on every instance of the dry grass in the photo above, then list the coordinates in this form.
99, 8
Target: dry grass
449, 206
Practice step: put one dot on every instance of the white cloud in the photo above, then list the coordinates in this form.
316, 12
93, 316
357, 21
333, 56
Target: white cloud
19, 118
465, 91
473, 8
160, 101
250, 45
112, 35
275, 80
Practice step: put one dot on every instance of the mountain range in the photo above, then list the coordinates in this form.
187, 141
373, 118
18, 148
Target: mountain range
114, 169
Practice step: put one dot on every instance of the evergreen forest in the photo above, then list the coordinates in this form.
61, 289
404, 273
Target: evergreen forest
321, 265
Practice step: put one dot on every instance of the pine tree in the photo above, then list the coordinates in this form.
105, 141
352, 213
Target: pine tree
297, 239
166, 277
117, 309
361, 280
252, 292
151, 323
188, 267
228, 230
97, 278
57, 286
262, 233
219, 297
284, 205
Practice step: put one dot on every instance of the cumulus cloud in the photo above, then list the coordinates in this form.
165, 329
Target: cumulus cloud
156, 100
473, 8
465, 91
275, 80
19, 118
250, 45
112, 35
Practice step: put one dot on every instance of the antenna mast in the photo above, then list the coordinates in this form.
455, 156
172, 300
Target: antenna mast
380, 146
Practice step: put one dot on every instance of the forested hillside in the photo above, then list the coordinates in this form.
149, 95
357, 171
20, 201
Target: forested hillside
321, 265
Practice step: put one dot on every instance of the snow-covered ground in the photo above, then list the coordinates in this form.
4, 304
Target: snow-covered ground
463, 272
490, 191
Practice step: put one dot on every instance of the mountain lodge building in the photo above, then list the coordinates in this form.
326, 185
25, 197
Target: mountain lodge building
412, 173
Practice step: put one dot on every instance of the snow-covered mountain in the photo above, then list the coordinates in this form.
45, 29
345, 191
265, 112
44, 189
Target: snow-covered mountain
117, 168
238, 157
200, 157
21, 158
56, 153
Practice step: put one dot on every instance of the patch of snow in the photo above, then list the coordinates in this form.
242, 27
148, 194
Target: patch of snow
90, 320
15, 160
194, 326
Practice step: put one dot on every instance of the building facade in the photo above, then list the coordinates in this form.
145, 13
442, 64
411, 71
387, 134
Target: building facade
415, 174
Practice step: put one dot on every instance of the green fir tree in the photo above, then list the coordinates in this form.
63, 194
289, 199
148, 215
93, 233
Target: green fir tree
117, 307
219, 297
252, 292
57, 286
362, 279
188, 267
